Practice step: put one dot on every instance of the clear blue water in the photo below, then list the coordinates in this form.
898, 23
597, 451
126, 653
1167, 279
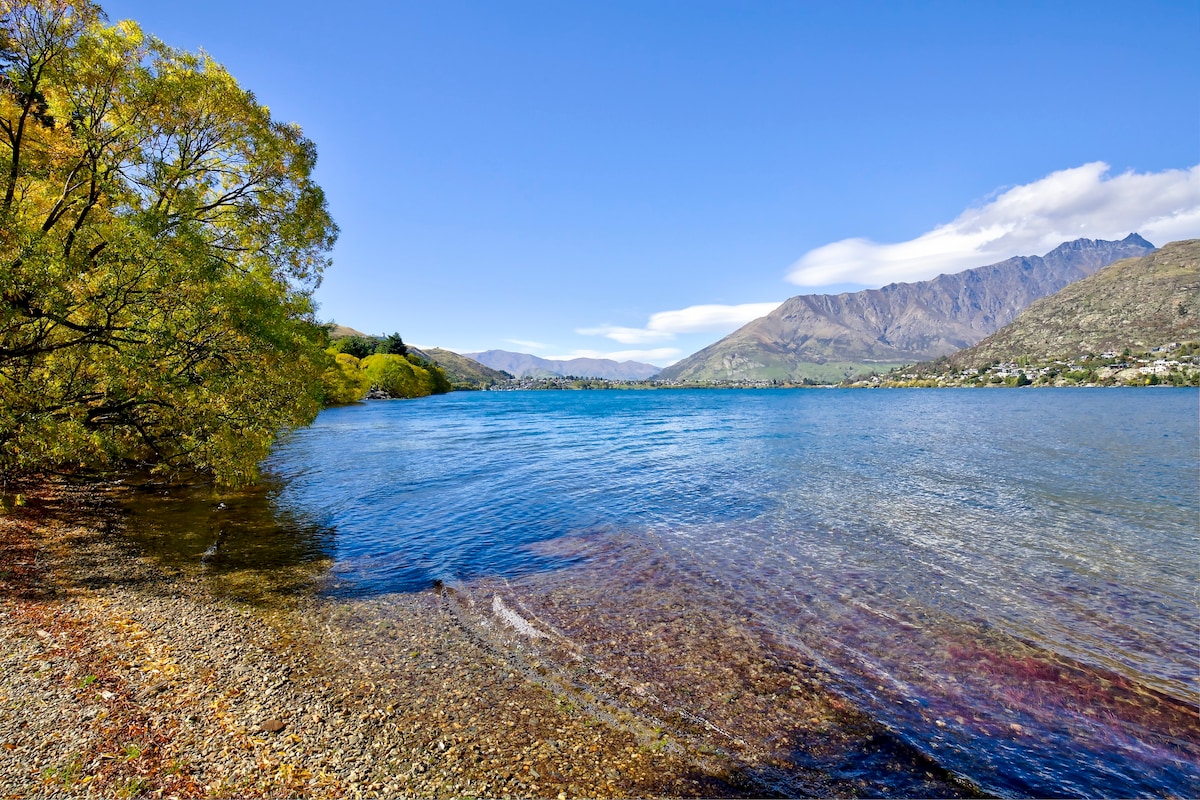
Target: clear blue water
1005, 578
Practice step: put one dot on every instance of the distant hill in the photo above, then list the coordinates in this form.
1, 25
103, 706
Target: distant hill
830, 337
523, 365
463, 372
1138, 303
341, 332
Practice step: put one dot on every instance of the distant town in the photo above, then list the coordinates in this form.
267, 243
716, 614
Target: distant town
1172, 364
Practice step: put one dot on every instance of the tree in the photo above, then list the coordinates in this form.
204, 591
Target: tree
398, 377
392, 345
160, 239
355, 346
343, 381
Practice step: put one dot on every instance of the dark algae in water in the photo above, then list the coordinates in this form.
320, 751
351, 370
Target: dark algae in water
680, 648
681, 669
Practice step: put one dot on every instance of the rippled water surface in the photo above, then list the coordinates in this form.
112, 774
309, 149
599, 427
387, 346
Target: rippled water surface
1006, 579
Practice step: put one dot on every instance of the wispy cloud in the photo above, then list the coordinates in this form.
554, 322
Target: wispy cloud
626, 335
654, 356
663, 325
528, 344
1031, 219
709, 318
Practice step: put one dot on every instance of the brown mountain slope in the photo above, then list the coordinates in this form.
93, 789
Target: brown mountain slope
341, 332
829, 337
463, 372
1138, 303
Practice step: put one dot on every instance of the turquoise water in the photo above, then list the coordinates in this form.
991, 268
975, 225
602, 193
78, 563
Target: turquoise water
1006, 579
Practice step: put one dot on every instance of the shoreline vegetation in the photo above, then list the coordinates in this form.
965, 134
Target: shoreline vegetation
379, 368
161, 238
125, 677
1171, 364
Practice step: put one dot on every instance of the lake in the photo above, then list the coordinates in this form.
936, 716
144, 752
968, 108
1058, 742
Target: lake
1004, 580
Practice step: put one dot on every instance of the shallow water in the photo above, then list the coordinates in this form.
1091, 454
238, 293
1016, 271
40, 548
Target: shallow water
1006, 580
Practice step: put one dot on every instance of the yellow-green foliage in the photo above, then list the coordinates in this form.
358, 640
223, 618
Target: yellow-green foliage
399, 377
343, 381
160, 238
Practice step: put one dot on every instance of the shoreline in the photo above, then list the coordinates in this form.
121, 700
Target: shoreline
128, 677
125, 678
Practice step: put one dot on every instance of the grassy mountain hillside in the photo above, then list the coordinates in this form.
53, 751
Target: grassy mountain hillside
831, 337
341, 332
1135, 304
463, 372
524, 365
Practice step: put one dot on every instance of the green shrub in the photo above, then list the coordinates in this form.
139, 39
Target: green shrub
355, 346
343, 381
397, 376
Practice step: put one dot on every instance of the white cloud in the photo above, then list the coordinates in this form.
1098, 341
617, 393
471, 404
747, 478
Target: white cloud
709, 318
528, 344
1024, 220
626, 335
663, 326
661, 354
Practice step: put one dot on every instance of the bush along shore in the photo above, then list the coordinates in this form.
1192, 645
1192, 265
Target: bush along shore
124, 678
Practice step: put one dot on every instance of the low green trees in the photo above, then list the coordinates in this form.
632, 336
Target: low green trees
361, 347
343, 381
349, 378
392, 345
399, 377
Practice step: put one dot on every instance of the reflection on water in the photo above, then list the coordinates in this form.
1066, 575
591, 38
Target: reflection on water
1003, 581
238, 541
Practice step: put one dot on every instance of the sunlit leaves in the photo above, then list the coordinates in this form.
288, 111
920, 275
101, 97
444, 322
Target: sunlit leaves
399, 377
342, 381
160, 237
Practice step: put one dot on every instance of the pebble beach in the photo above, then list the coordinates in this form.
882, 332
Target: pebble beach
120, 678
123, 675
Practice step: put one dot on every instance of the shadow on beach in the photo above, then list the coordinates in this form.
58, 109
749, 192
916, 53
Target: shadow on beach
235, 541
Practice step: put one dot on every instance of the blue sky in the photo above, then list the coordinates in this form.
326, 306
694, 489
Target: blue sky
637, 179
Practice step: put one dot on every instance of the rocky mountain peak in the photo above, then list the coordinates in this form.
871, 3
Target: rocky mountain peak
1137, 303
831, 337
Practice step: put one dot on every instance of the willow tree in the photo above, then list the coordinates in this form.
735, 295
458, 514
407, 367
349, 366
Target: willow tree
160, 239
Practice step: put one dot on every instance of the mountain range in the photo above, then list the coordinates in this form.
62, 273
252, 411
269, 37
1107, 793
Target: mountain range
1137, 304
523, 365
825, 337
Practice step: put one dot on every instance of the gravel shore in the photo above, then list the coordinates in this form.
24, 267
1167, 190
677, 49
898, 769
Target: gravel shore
122, 678
126, 675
